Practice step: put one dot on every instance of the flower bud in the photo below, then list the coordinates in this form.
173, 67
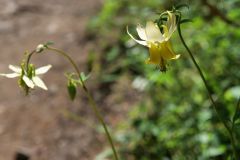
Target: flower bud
40, 48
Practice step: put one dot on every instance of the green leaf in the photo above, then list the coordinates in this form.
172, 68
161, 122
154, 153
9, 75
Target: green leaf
163, 19
84, 77
185, 21
180, 6
72, 89
237, 112
49, 43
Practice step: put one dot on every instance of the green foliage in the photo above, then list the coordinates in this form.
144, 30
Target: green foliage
73, 81
84, 77
175, 120
72, 89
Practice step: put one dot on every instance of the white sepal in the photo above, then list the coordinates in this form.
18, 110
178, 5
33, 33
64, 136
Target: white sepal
15, 68
138, 41
43, 69
10, 75
28, 82
153, 33
38, 82
141, 32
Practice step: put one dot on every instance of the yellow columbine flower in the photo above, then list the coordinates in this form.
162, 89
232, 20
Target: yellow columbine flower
158, 43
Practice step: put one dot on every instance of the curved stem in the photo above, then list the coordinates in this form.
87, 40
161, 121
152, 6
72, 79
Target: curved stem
90, 98
100, 118
68, 58
29, 56
209, 92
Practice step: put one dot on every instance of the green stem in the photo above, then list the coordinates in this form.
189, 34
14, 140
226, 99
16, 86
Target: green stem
28, 58
90, 98
209, 92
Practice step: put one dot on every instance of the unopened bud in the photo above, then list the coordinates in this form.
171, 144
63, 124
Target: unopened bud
40, 48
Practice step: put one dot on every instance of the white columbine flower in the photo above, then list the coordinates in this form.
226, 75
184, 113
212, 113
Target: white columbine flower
158, 41
32, 81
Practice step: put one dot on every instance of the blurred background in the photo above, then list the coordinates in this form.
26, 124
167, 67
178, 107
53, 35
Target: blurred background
151, 115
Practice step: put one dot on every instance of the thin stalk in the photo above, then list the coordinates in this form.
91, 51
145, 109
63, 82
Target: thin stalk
235, 116
29, 56
209, 92
90, 98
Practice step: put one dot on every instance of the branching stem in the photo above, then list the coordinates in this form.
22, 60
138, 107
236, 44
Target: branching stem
90, 98
86, 91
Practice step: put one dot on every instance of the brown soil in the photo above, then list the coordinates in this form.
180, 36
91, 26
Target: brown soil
39, 125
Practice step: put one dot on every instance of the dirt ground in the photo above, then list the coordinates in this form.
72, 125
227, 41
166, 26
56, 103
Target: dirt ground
39, 125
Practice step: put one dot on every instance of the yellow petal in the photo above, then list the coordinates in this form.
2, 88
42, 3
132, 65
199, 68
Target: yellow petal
165, 33
171, 22
166, 51
169, 19
155, 55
